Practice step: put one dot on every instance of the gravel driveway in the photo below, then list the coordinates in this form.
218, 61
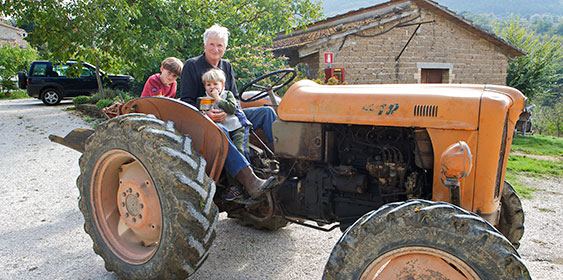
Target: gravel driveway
42, 234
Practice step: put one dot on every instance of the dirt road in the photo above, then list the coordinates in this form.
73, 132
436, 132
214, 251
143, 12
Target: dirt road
42, 236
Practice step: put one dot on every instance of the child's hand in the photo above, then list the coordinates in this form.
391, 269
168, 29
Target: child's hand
215, 94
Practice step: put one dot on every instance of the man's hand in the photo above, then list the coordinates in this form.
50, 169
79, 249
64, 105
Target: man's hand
216, 115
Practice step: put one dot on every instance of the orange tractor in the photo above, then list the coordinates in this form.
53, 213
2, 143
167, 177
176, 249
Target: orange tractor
412, 174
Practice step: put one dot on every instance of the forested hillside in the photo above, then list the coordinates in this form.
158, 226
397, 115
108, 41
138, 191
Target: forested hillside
500, 8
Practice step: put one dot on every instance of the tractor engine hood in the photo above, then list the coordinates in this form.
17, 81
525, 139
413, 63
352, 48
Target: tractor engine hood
444, 106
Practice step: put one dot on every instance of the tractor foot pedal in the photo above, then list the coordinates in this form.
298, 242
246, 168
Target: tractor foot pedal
249, 200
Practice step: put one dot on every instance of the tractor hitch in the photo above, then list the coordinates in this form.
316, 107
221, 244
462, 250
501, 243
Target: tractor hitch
76, 139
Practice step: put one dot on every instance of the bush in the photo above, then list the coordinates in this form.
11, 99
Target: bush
16, 94
12, 60
104, 103
8, 85
331, 81
81, 100
126, 97
94, 99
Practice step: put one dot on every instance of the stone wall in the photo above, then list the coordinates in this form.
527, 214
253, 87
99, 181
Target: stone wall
443, 44
12, 36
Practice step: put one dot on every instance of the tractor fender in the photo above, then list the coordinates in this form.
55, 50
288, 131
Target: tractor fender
207, 138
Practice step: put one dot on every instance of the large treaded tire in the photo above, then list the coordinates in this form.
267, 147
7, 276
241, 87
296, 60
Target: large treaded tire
185, 195
440, 227
511, 222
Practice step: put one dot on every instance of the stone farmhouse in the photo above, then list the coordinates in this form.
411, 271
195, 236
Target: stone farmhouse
400, 41
12, 35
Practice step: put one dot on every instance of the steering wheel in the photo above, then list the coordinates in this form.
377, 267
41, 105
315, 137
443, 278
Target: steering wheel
264, 90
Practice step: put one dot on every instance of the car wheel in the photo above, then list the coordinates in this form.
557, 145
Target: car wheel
121, 87
51, 96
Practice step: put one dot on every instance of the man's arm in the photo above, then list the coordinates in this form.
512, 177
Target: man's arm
188, 83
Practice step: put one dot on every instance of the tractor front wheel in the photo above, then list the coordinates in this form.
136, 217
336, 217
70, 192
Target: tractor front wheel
420, 239
511, 222
146, 199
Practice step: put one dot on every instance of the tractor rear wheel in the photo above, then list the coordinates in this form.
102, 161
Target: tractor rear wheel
420, 239
146, 199
511, 222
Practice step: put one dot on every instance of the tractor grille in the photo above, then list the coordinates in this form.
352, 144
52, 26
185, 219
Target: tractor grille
500, 166
421, 110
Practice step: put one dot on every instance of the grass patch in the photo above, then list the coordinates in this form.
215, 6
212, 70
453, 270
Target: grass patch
525, 192
534, 167
520, 166
15, 94
538, 145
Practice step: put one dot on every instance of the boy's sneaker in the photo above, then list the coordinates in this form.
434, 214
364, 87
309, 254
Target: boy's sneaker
233, 193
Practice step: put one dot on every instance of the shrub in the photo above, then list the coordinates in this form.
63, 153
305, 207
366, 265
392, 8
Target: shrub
16, 94
331, 81
125, 95
12, 60
81, 100
94, 99
8, 85
104, 103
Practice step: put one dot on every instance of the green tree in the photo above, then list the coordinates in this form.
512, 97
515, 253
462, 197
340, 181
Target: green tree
535, 72
137, 35
251, 62
83, 30
548, 120
12, 60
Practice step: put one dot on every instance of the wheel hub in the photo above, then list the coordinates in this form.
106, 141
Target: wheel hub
418, 263
126, 206
132, 201
133, 205
137, 201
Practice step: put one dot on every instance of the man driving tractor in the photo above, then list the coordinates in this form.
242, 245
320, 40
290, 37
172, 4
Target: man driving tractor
215, 40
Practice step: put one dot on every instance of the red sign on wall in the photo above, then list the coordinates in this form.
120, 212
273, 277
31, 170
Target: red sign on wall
329, 58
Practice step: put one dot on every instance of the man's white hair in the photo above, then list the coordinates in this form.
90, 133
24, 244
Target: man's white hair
217, 31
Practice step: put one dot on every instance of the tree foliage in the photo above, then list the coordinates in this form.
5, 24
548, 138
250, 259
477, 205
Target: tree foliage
535, 72
548, 119
12, 60
250, 62
136, 35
